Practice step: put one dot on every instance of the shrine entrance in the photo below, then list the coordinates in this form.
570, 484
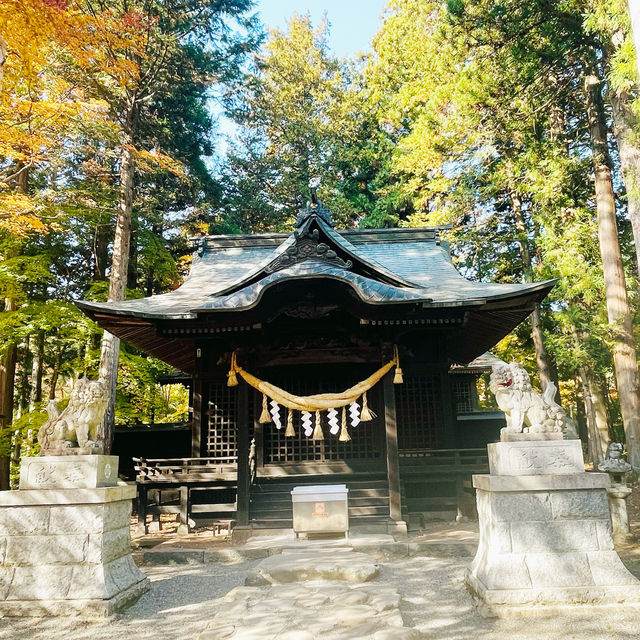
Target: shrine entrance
266, 322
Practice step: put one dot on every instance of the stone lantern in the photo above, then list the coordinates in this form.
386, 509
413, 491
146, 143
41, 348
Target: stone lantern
617, 468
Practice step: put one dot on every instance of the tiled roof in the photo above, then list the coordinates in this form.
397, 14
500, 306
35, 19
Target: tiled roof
389, 266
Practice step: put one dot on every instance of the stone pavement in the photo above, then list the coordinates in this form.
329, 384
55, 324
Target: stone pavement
311, 594
184, 598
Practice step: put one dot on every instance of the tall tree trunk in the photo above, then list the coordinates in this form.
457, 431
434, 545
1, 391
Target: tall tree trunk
100, 252
22, 378
132, 267
36, 371
118, 280
7, 376
542, 355
55, 375
601, 414
623, 122
597, 419
618, 311
8, 362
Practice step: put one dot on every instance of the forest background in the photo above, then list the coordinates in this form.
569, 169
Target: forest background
515, 122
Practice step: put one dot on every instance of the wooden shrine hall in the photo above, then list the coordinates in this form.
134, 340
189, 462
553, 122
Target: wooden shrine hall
322, 356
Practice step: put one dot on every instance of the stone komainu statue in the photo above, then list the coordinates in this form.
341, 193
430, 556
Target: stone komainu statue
78, 424
525, 409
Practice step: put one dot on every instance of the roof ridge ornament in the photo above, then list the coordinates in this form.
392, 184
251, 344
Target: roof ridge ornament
306, 238
314, 209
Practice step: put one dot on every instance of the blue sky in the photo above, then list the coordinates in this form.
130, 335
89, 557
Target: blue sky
352, 25
353, 22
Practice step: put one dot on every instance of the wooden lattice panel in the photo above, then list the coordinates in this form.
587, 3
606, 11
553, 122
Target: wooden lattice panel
419, 412
222, 423
463, 392
365, 438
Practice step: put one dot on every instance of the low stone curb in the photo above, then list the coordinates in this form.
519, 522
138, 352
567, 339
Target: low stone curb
205, 556
236, 555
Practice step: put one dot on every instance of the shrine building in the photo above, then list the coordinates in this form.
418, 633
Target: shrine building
323, 356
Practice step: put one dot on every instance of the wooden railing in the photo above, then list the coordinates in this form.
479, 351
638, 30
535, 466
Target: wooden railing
178, 470
446, 457
426, 473
159, 478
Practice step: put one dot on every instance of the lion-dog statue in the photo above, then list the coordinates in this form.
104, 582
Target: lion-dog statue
526, 410
77, 426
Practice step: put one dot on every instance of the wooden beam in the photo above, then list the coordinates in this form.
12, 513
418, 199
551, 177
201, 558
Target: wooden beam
242, 440
393, 464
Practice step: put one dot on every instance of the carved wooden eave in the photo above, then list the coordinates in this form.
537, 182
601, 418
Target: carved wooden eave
307, 246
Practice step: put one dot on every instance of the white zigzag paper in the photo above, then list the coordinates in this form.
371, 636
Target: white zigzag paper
354, 412
306, 423
275, 414
332, 415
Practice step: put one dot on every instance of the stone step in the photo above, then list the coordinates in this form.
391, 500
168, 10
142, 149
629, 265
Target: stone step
273, 523
276, 502
288, 485
322, 610
301, 566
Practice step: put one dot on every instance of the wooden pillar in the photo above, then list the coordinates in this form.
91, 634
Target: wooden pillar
393, 463
142, 509
449, 414
199, 406
185, 509
242, 441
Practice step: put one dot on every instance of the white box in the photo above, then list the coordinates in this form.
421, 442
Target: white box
320, 508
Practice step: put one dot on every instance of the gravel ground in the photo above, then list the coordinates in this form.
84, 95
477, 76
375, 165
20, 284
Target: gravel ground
177, 607
182, 601
435, 602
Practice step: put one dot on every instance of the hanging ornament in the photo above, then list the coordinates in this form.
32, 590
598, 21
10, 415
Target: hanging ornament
275, 414
290, 431
366, 414
354, 413
317, 432
397, 377
232, 380
332, 419
264, 416
306, 423
344, 434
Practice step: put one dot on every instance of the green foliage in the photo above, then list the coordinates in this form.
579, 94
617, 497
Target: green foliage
305, 116
484, 103
159, 88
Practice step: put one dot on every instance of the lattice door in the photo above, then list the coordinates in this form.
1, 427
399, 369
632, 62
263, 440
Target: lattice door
365, 438
419, 412
222, 422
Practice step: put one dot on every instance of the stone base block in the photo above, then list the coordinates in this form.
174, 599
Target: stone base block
67, 551
546, 540
68, 472
86, 608
503, 603
507, 435
535, 457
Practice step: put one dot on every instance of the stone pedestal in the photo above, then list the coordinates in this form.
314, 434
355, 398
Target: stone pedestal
67, 551
618, 496
545, 532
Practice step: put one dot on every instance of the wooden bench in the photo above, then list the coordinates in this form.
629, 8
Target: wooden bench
180, 480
